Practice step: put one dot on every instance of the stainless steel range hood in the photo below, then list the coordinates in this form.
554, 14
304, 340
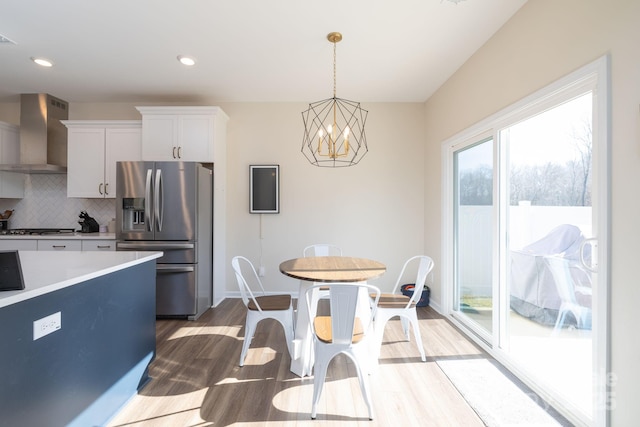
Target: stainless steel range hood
43, 138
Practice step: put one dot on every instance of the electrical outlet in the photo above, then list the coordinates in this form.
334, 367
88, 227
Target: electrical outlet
47, 325
261, 271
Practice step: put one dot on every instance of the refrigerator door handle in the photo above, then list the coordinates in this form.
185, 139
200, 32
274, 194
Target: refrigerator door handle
174, 269
157, 200
147, 201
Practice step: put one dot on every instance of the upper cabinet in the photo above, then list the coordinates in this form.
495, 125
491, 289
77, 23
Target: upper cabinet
182, 133
11, 184
94, 147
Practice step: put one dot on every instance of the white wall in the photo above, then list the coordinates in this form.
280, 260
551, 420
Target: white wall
374, 209
544, 41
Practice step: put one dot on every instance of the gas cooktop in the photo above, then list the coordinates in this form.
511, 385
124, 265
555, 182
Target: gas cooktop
36, 231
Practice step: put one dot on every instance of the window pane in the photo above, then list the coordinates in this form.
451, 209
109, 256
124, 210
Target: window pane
474, 200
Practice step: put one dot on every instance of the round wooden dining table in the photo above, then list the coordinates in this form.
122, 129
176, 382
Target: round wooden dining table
324, 269
332, 269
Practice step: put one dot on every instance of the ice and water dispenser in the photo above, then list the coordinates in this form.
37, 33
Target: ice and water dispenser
133, 214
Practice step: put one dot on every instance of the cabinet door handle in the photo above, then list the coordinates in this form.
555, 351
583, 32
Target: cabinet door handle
100, 188
104, 246
106, 189
59, 246
179, 152
174, 152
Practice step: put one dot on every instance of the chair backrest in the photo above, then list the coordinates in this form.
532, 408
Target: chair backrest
322, 249
343, 300
245, 274
423, 268
565, 286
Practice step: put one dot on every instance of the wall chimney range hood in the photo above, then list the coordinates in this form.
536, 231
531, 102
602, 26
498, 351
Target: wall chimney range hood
43, 138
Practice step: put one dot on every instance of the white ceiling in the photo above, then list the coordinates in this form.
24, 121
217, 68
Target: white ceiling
246, 50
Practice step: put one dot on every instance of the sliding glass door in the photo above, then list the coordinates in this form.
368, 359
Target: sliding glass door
527, 222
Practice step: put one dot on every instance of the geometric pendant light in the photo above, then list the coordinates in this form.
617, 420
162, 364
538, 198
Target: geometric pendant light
334, 128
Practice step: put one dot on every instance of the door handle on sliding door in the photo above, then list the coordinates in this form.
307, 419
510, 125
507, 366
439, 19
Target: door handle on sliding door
592, 265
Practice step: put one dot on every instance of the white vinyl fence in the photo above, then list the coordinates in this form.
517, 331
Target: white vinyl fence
526, 225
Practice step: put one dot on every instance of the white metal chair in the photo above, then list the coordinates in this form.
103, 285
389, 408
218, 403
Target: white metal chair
322, 249
277, 307
567, 289
342, 331
394, 304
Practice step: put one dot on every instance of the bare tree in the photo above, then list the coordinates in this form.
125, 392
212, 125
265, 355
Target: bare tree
550, 184
583, 141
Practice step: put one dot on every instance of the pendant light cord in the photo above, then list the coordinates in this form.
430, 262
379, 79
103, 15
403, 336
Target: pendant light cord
334, 69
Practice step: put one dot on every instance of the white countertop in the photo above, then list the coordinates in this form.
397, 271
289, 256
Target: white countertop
48, 271
62, 236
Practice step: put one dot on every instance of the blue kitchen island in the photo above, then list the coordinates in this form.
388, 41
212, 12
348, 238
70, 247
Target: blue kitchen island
76, 343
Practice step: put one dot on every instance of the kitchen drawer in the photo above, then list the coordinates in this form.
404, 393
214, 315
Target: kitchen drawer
98, 245
59, 245
18, 245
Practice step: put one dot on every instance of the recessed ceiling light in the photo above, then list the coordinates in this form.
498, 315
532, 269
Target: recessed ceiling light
42, 62
186, 60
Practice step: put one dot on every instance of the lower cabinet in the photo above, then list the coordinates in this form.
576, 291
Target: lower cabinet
98, 245
19, 245
57, 245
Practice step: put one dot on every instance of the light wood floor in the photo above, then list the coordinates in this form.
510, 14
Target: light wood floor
197, 380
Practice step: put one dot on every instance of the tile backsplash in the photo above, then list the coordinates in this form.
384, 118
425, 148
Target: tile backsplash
45, 205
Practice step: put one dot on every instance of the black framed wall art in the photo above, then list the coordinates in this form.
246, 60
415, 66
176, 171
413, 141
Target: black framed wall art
264, 191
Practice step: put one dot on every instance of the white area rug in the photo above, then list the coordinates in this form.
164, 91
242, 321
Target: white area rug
496, 399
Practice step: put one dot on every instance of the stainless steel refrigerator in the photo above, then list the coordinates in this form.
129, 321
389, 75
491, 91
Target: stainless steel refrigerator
167, 206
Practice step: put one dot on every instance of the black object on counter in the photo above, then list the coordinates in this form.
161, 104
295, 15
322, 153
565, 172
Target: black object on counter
88, 224
10, 271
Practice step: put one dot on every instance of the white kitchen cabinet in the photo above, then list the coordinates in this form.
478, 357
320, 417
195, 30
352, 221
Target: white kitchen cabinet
182, 133
99, 245
73, 244
59, 245
93, 149
18, 245
11, 184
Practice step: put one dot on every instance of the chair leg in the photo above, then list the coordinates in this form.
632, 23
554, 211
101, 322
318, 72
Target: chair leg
288, 331
581, 315
319, 375
405, 327
417, 334
249, 329
582, 319
562, 314
364, 385
289, 336
379, 324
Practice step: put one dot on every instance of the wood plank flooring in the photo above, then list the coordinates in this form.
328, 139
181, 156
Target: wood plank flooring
197, 380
